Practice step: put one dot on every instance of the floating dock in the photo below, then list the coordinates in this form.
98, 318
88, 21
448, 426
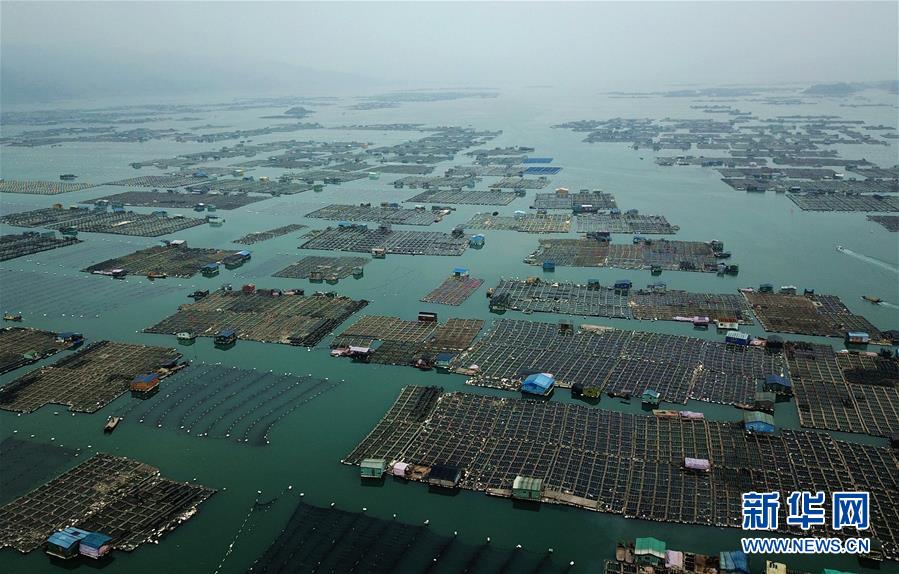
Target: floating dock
322, 268
31, 242
626, 464
454, 290
126, 499
258, 236
102, 221
173, 260
264, 315
88, 380
213, 401
360, 238
620, 362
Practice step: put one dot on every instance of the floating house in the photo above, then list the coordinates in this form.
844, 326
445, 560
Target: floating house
399, 469
95, 545
697, 464
623, 285
144, 383
549, 265
527, 488
378, 252
779, 385
226, 337
442, 361
754, 421
733, 562
476, 240
775, 567
737, 338
538, 384
764, 401
427, 317
857, 338
64, 544
460, 272
445, 475
373, 468
210, 270
650, 397
649, 551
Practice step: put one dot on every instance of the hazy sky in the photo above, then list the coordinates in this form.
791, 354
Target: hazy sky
607, 45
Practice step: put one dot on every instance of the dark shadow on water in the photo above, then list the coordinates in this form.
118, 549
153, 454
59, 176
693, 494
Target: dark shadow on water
82, 561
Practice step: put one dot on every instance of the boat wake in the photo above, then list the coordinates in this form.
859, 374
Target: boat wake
868, 259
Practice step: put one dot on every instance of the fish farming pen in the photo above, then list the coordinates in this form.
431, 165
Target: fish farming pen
242, 187
598, 200
88, 380
239, 405
172, 260
180, 199
27, 462
527, 222
31, 242
844, 392
167, 181
844, 202
360, 238
657, 253
888, 222
517, 182
323, 268
435, 182
123, 498
623, 463
625, 223
328, 539
101, 221
454, 290
327, 176
543, 170
400, 169
258, 236
624, 363
809, 314
384, 213
21, 346
42, 187
464, 197
401, 342
264, 315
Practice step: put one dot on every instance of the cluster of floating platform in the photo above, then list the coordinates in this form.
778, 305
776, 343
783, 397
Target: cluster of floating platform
390, 340
623, 363
519, 182
625, 223
454, 290
212, 401
30, 242
22, 346
317, 268
167, 181
182, 200
258, 236
844, 202
264, 315
562, 199
384, 213
383, 239
621, 463
526, 222
661, 254
329, 539
90, 379
42, 187
172, 260
78, 219
124, 499
846, 391
809, 314
888, 222
464, 197
653, 303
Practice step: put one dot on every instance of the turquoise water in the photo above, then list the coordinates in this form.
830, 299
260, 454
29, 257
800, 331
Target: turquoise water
769, 237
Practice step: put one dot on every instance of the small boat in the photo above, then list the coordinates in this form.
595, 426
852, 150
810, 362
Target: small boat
11, 317
872, 299
156, 275
186, 336
111, 424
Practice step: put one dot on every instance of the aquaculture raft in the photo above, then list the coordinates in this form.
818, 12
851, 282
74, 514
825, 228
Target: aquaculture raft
889, 222
30, 242
360, 238
379, 214
322, 267
623, 463
88, 380
661, 253
844, 202
212, 401
256, 237
598, 200
454, 290
124, 498
264, 315
42, 187
173, 260
101, 221
528, 222
464, 197
20, 346
181, 200
619, 362
625, 223
810, 314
